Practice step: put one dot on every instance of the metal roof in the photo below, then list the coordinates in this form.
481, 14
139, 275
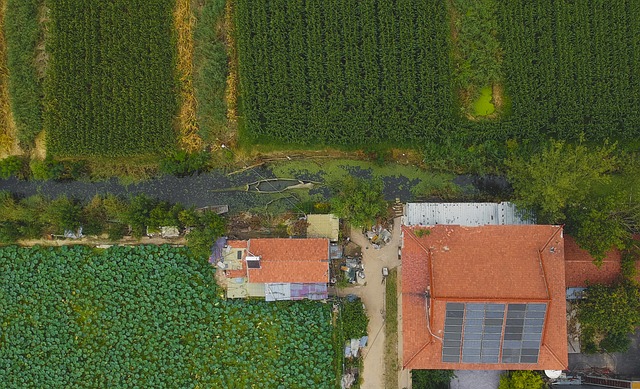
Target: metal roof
463, 214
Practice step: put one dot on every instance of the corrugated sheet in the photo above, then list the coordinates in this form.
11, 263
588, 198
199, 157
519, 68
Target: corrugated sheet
295, 291
463, 214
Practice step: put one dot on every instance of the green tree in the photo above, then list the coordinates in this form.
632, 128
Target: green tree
561, 175
431, 379
47, 169
137, 214
201, 239
358, 201
598, 226
62, 214
94, 216
608, 313
521, 379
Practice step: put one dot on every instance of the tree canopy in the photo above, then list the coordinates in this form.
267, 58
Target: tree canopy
358, 201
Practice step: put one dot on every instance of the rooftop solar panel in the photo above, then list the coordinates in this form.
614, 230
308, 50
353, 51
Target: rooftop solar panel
493, 333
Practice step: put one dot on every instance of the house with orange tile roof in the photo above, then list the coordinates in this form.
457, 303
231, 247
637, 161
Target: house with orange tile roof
484, 297
275, 269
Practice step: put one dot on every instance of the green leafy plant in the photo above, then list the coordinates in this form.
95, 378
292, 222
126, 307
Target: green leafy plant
11, 166
120, 316
521, 379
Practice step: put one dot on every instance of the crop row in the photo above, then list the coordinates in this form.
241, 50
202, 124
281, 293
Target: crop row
343, 71
110, 86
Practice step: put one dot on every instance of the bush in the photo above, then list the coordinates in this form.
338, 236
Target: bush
521, 379
610, 313
431, 379
182, 163
354, 319
47, 169
11, 166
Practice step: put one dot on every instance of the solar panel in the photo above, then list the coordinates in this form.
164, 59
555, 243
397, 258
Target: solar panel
493, 333
523, 332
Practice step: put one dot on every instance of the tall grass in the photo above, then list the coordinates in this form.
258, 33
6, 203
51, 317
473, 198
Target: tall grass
188, 127
391, 330
22, 33
210, 69
7, 126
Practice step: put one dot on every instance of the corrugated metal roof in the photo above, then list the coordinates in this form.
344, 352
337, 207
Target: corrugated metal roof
463, 214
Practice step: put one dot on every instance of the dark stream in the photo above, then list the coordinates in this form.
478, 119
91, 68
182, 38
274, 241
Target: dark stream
216, 188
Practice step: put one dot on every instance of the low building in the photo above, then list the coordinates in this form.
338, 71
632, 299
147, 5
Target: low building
275, 269
487, 297
323, 226
464, 214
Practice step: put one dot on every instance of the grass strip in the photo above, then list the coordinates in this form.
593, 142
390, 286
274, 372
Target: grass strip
391, 331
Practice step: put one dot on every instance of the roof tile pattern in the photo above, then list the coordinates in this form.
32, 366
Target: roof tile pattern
286, 260
480, 264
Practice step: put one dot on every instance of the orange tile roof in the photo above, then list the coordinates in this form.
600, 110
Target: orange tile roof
286, 260
481, 264
580, 269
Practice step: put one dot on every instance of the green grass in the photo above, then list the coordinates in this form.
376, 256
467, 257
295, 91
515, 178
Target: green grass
22, 33
483, 106
210, 69
424, 183
391, 330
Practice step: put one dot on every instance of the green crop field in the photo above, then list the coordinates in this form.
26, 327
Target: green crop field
572, 68
346, 72
149, 316
343, 71
110, 88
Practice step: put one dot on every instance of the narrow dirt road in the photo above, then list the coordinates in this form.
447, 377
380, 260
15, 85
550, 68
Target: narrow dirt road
373, 297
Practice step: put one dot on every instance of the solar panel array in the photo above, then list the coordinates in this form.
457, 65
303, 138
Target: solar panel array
478, 333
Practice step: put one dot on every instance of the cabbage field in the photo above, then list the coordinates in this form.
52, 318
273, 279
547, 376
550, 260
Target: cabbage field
149, 316
110, 88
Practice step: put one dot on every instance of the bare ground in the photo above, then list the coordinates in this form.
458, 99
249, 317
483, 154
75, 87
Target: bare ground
373, 297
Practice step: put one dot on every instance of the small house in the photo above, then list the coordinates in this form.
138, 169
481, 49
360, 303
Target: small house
275, 269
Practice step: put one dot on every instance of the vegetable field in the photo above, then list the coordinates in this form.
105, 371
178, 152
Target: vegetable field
111, 86
148, 316
343, 71
572, 68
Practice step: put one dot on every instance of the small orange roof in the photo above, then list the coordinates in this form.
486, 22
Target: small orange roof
501, 264
285, 260
580, 269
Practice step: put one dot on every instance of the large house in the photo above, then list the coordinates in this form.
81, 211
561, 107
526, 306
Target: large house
274, 269
483, 297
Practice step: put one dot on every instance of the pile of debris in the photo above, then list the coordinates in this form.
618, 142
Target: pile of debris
378, 236
353, 269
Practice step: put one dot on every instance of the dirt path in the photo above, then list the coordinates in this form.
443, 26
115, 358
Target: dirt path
373, 297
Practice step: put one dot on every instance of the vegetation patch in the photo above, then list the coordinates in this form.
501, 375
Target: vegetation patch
391, 330
483, 105
149, 316
343, 73
111, 85
7, 125
476, 51
210, 69
23, 33
608, 315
